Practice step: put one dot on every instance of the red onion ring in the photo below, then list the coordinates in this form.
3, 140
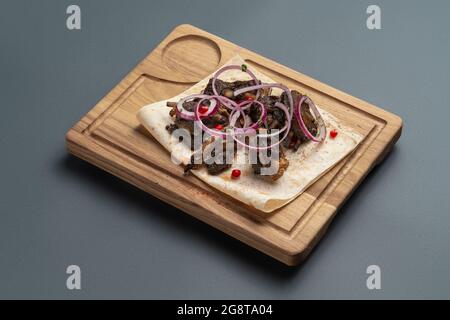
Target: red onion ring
237, 110
286, 128
199, 121
226, 68
234, 116
189, 115
319, 120
270, 85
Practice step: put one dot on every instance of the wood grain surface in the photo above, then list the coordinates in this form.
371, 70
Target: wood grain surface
110, 137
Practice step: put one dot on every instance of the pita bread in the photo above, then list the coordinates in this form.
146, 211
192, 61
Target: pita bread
306, 165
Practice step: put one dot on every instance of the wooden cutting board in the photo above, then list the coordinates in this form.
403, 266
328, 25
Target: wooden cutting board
110, 137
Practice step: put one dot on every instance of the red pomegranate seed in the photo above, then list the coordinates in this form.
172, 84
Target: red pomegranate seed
203, 109
218, 127
236, 173
333, 134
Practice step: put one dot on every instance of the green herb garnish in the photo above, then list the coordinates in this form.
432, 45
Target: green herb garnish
244, 68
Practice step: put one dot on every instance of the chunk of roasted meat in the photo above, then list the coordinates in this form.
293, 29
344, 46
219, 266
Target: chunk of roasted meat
227, 89
221, 117
180, 123
296, 136
275, 163
275, 119
213, 155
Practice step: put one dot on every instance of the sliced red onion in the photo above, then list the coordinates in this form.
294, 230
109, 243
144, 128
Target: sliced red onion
198, 116
285, 129
189, 115
319, 120
226, 68
239, 112
270, 85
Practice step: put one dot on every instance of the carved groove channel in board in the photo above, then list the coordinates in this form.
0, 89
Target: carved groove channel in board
94, 124
342, 170
203, 58
162, 89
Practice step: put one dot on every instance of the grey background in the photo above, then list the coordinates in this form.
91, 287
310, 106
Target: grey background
56, 210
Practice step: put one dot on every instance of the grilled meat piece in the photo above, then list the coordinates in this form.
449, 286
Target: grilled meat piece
275, 119
296, 136
171, 127
178, 121
227, 89
216, 167
220, 117
279, 160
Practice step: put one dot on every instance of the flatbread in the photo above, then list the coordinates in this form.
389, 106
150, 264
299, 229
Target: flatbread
306, 165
